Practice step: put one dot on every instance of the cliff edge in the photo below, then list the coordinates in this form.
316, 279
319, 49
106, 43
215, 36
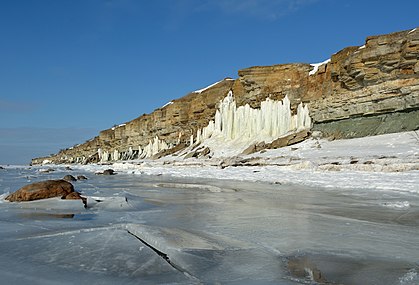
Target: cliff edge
360, 91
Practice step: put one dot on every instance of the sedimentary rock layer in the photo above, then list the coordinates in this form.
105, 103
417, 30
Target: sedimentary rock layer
359, 91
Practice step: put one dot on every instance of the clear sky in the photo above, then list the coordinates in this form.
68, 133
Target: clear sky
69, 69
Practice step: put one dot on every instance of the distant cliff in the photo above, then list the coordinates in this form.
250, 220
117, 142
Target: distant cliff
360, 91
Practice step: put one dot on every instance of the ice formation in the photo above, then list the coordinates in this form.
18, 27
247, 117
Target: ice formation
154, 146
272, 120
243, 125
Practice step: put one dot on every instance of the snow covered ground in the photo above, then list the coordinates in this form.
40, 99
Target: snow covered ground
320, 212
384, 162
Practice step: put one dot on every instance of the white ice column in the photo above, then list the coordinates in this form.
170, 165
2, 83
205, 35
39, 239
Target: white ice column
154, 146
271, 121
227, 110
100, 154
103, 155
130, 153
140, 151
115, 155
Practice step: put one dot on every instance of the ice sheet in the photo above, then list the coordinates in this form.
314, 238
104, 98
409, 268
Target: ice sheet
169, 230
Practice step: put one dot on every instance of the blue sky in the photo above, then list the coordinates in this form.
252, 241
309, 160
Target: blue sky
69, 69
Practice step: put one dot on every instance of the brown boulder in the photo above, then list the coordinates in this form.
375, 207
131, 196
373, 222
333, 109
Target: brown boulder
43, 190
73, 196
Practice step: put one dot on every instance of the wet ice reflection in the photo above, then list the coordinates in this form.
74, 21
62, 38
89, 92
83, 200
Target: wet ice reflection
144, 229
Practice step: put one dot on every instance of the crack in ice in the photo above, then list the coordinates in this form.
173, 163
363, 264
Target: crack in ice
165, 257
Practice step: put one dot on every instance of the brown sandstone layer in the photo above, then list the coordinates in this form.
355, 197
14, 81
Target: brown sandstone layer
362, 90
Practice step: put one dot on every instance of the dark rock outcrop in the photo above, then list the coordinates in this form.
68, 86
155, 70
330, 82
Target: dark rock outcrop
44, 190
107, 172
69, 178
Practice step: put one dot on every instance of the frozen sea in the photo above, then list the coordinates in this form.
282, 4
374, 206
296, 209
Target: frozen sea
161, 229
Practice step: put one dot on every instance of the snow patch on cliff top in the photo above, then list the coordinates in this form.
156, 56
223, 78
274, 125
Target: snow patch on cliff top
118, 126
167, 104
316, 66
209, 86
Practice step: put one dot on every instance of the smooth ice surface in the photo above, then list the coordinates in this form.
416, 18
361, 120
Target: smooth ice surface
148, 229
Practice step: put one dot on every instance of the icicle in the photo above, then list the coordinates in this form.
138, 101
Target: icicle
272, 120
115, 155
179, 137
99, 154
103, 155
153, 147
140, 151
130, 153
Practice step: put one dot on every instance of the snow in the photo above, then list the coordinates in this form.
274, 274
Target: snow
380, 163
347, 205
209, 86
316, 66
118, 126
243, 227
412, 30
167, 104
361, 47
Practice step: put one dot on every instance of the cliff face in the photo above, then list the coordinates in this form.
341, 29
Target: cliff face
365, 90
380, 77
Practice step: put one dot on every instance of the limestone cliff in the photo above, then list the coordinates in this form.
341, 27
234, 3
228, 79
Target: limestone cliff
361, 90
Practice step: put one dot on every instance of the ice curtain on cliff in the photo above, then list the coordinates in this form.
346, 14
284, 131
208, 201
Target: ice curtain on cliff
232, 125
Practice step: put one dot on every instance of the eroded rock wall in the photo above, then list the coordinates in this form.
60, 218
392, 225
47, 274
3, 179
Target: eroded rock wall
361, 90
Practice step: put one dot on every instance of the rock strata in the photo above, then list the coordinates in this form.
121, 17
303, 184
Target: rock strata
360, 91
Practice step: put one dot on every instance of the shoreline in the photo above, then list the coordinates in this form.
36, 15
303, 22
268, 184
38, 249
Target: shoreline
384, 163
387, 162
